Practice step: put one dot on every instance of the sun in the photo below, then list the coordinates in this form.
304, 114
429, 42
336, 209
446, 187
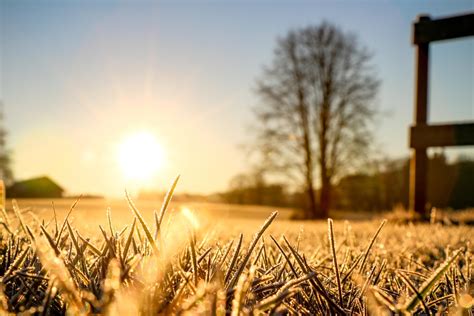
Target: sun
140, 156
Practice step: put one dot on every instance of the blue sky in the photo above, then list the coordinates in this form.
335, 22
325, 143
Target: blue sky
76, 76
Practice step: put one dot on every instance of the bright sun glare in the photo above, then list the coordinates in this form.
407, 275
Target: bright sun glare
140, 156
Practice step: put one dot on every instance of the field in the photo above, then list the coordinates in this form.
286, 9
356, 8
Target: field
218, 259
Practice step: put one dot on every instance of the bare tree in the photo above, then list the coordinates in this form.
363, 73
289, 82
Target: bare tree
317, 106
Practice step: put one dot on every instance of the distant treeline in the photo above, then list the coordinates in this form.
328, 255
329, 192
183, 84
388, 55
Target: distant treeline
450, 185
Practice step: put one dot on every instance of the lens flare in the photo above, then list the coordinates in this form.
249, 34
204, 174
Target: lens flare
191, 217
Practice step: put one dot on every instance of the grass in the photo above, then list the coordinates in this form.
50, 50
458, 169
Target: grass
184, 266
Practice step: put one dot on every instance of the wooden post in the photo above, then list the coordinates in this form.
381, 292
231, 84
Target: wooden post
422, 135
419, 159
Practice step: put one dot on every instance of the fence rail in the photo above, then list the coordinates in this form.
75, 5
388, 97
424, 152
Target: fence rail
422, 135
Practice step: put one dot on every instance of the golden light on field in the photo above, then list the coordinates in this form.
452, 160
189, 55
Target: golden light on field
191, 217
140, 156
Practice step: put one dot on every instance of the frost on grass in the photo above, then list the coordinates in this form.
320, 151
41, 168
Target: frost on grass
49, 267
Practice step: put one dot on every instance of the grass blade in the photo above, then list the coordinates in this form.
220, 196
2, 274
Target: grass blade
51, 241
428, 284
332, 244
367, 251
285, 256
55, 218
63, 226
315, 282
234, 259
413, 288
129, 239
383, 299
16, 264
165, 204
17, 212
109, 220
192, 249
283, 293
138, 216
251, 248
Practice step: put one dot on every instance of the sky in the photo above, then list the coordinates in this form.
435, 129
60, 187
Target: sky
79, 77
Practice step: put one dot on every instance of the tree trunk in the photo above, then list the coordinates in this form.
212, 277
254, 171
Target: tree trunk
325, 197
312, 211
303, 111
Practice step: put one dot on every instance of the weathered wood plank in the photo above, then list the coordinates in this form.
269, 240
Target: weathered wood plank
427, 30
418, 163
418, 181
424, 136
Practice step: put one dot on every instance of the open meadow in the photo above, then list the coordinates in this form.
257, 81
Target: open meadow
220, 259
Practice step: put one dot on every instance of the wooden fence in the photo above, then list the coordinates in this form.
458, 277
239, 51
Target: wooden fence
422, 134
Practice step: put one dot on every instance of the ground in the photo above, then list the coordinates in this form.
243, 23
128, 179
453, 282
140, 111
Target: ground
309, 267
